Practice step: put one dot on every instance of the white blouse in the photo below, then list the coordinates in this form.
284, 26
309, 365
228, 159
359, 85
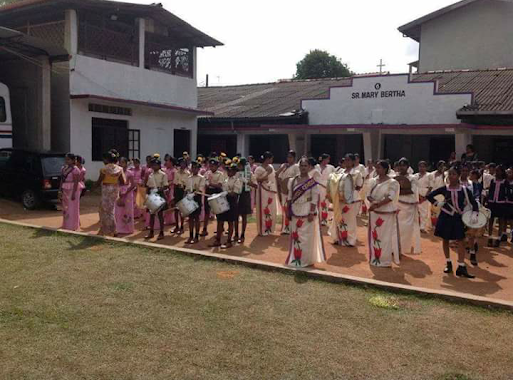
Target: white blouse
303, 206
380, 191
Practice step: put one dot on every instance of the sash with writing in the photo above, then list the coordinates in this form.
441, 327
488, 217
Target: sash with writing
300, 190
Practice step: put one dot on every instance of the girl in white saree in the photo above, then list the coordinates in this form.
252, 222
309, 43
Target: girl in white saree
267, 196
384, 246
306, 246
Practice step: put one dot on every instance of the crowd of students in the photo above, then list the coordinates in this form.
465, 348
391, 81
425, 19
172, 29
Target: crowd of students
306, 194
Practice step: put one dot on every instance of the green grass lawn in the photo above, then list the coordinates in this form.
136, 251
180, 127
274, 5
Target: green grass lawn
77, 308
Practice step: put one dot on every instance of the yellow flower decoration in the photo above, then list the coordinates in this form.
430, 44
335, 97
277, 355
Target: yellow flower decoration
235, 160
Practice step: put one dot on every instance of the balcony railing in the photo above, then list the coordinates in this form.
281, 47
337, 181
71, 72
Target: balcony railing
163, 57
108, 44
52, 32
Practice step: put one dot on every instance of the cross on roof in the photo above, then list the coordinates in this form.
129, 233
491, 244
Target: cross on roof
381, 65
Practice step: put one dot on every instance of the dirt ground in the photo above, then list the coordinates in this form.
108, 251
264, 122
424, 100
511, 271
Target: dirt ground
493, 275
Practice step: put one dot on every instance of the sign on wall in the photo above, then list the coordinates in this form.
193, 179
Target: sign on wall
390, 100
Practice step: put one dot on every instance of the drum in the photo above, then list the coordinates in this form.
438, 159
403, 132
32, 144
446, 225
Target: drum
482, 220
187, 206
346, 188
154, 202
218, 203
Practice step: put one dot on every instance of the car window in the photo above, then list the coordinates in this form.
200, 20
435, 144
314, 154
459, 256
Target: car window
52, 165
3, 110
5, 155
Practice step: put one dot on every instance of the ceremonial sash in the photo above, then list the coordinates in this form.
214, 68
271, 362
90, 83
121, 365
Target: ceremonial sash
301, 189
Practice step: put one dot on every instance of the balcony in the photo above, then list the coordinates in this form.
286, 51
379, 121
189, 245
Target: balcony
162, 55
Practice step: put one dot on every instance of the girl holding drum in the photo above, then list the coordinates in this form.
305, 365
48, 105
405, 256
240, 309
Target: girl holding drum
195, 186
157, 180
450, 224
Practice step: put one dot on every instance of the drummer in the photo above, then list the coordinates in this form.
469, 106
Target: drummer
180, 181
232, 185
195, 186
157, 180
288, 170
214, 179
450, 224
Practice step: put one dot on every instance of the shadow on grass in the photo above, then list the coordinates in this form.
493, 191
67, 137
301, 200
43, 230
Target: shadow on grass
300, 278
41, 233
85, 243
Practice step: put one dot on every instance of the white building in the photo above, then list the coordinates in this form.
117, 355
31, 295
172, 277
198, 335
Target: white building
423, 116
130, 82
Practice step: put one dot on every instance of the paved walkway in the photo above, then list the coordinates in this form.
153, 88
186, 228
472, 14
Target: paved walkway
494, 274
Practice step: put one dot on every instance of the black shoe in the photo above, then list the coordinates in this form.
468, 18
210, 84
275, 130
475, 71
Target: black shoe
462, 272
504, 238
473, 259
448, 268
497, 243
476, 247
490, 243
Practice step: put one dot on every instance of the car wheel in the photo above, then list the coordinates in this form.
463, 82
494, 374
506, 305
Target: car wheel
30, 199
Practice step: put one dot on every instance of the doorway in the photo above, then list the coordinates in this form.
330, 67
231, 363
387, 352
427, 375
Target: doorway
181, 142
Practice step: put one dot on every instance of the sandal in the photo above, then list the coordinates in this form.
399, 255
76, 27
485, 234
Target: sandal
241, 239
151, 235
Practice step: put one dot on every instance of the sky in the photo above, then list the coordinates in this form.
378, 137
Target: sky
264, 39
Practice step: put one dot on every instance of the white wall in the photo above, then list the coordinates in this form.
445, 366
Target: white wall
156, 126
477, 36
418, 106
115, 80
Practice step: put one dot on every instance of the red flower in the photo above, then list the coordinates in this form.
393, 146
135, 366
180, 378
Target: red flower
295, 236
364, 209
299, 223
298, 253
287, 222
324, 215
345, 209
267, 211
323, 204
379, 222
269, 201
268, 224
377, 253
343, 235
375, 235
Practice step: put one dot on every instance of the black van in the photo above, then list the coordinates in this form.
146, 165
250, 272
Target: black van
32, 176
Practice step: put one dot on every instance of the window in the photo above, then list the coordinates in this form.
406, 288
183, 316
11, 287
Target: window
3, 110
109, 134
5, 155
134, 144
101, 108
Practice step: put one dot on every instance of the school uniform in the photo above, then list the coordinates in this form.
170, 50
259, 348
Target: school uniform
233, 186
180, 181
450, 224
195, 184
213, 178
497, 198
245, 204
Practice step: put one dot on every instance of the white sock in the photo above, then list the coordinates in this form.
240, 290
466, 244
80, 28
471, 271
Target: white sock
448, 260
472, 252
462, 265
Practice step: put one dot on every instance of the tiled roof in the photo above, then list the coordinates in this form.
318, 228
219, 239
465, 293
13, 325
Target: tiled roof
493, 92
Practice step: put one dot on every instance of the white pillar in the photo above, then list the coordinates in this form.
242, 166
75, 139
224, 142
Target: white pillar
367, 147
45, 141
462, 139
241, 144
292, 142
71, 31
194, 141
142, 40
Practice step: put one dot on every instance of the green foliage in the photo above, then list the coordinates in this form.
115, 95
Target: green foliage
321, 64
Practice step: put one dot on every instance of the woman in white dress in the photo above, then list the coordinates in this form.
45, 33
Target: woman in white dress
425, 186
384, 246
346, 206
267, 196
306, 245
326, 170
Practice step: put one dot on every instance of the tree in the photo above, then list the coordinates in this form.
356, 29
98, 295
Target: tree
321, 64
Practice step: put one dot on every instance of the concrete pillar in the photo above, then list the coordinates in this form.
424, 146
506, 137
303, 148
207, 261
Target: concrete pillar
367, 146
292, 141
300, 145
45, 111
241, 144
194, 141
71, 31
142, 40
195, 63
462, 139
